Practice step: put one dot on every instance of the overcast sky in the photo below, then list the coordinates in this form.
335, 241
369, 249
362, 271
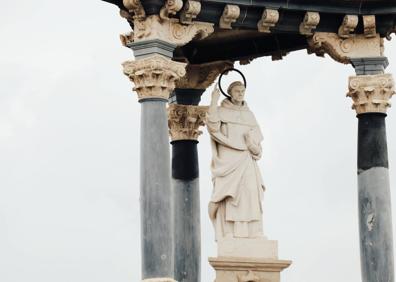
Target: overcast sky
69, 151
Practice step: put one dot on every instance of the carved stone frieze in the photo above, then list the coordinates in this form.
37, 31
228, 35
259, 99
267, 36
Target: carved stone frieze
371, 93
190, 11
202, 76
155, 76
342, 50
348, 26
269, 19
170, 30
370, 29
230, 15
184, 121
135, 7
311, 20
171, 7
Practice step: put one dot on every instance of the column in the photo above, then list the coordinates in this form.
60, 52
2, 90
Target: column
154, 75
371, 91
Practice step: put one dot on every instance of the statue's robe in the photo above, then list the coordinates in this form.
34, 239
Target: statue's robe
238, 186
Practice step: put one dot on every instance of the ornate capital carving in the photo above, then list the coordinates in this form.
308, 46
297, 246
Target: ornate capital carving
343, 50
230, 15
202, 76
311, 20
135, 7
268, 19
371, 93
171, 8
184, 121
348, 26
155, 76
370, 29
169, 30
190, 11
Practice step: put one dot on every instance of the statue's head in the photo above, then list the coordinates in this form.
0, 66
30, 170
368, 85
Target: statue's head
237, 92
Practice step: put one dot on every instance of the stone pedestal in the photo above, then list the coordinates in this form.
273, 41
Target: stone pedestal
248, 260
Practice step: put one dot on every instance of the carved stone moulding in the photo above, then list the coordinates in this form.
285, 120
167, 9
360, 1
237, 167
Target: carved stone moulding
229, 269
348, 26
343, 50
371, 93
269, 19
203, 75
169, 30
311, 20
184, 121
230, 15
154, 76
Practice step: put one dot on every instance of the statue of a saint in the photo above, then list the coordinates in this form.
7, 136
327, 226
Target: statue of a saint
235, 207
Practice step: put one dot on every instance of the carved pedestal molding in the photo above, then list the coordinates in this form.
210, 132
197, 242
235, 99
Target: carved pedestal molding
230, 15
135, 7
343, 50
190, 11
155, 76
369, 26
169, 30
348, 26
269, 19
202, 76
371, 93
311, 20
171, 7
184, 121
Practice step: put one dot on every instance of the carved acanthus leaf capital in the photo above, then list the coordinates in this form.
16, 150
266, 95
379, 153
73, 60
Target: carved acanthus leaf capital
371, 93
184, 121
343, 50
155, 76
170, 30
202, 76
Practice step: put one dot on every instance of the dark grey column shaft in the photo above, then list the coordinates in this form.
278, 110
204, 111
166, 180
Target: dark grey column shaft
155, 191
375, 217
185, 181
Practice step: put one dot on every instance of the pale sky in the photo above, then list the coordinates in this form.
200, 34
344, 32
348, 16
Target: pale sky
69, 147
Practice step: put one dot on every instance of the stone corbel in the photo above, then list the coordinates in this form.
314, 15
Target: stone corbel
371, 93
154, 76
343, 50
348, 26
184, 121
202, 76
230, 15
170, 30
269, 19
135, 7
190, 11
171, 7
310, 22
370, 29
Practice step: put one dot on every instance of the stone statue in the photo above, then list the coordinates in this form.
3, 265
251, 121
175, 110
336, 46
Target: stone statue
235, 207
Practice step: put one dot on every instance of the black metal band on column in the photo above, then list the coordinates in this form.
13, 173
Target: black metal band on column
375, 217
185, 181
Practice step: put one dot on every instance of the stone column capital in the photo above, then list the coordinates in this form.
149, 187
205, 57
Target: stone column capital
154, 77
203, 75
343, 50
371, 93
184, 121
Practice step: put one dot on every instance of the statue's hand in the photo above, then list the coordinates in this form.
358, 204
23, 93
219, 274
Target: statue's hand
215, 95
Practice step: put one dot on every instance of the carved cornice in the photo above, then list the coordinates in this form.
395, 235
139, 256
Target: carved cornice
184, 121
230, 15
169, 30
343, 50
348, 26
171, 7
269, 19
311, 20
135, 8
202, 76
371, 93
155, 76
190, 11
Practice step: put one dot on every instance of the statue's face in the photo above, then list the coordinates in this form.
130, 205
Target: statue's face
238, 93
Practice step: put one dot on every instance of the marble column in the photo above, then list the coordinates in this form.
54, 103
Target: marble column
371, 91
154, 75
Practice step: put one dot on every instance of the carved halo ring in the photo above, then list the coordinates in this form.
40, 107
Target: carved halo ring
226, 72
